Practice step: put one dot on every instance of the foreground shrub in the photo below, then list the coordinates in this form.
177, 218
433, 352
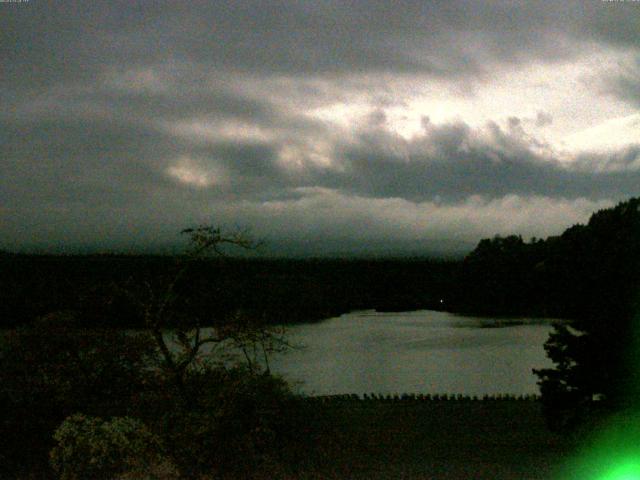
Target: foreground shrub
90, 448
236, 421
56, 366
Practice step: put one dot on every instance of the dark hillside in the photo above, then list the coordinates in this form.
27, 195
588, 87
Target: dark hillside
589, 267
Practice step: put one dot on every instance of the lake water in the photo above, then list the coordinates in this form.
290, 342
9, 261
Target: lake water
414, 352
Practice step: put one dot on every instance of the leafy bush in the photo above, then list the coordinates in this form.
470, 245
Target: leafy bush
236, 422
90, 448
55, 367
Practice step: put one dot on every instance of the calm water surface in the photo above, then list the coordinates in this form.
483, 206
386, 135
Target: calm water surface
422, 352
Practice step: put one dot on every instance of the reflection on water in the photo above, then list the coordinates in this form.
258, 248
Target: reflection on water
421, 352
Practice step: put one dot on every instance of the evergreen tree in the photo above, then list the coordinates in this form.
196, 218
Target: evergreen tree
595, 352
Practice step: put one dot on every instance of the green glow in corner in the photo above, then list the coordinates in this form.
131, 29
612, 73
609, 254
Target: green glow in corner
612, 452
601, 467
625, 471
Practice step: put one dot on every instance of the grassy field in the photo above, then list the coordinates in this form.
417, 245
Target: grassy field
490, 440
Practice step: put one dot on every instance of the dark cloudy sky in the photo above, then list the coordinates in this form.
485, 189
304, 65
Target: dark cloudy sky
322, 126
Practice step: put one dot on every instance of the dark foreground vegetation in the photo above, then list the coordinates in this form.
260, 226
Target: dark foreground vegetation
103, 372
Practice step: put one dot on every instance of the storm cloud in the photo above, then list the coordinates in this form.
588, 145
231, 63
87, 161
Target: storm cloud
323, 126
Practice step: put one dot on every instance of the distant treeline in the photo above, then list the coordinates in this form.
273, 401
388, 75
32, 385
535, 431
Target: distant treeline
589, 267
108, 289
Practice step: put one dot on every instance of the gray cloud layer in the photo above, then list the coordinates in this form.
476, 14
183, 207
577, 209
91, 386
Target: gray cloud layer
99, 104
53, 41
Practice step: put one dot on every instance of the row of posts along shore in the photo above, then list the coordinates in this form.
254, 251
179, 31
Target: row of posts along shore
418, 398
